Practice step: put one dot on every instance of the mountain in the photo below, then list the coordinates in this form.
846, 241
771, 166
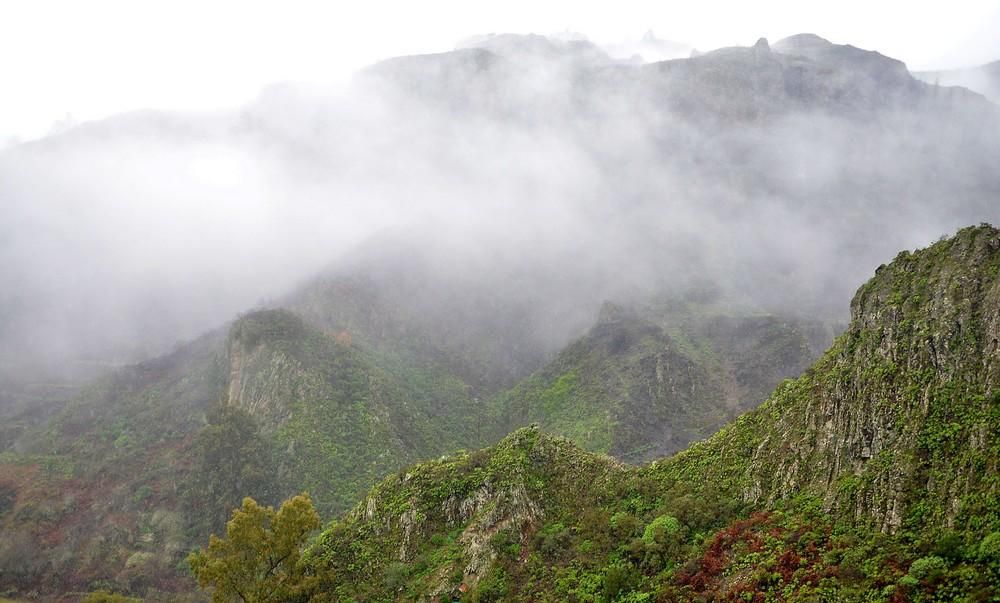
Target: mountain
331, 397
873, 476
118, 486
984, 79
896, 424
517, 162
426, 256
639, 388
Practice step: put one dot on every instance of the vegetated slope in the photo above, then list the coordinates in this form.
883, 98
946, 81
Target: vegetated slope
639, 385
897, 423
746, 143
115, 489
96, 495
871, 477
275, 406
644, 384
407, 311
347, 417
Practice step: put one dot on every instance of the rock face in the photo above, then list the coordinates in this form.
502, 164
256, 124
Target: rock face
884, 69
898, 421
263, 377
343, 414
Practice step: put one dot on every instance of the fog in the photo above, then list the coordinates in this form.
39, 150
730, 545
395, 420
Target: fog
545, 175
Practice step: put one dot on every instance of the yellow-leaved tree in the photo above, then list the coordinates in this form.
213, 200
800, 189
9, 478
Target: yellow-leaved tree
259, 560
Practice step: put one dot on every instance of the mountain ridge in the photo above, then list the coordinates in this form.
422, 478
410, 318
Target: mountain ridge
834, 440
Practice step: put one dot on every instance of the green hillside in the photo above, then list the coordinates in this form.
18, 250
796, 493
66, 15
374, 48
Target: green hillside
873, 477
115, 489
641, 385
150, 460
870, 477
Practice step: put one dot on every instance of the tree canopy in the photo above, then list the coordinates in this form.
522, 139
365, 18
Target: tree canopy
259, 561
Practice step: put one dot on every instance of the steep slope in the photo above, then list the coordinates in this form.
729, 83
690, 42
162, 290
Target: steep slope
344, 416
373, 376
97, 494
273, 406
897, 423
395, 308
643, 385
871, 477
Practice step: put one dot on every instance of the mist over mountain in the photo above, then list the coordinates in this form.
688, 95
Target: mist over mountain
984, 79
536, 169
631, 246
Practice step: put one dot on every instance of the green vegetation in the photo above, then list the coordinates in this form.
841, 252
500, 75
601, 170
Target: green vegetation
233, 461
135, 472
872, 476
259, 560
630, 389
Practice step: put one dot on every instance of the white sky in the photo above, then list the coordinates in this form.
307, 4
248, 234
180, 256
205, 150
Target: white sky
90, 59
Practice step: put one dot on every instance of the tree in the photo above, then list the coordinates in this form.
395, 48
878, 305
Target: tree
259, 561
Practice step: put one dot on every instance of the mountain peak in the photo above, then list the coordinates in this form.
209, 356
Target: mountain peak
821, 50
612, 313
802, 41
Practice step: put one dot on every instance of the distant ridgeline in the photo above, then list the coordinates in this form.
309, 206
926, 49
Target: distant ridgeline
873, 476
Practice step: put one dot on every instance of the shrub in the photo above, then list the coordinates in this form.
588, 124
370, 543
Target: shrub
928, 568
989, 550
396, 575
664, 525
619, 579
259, 560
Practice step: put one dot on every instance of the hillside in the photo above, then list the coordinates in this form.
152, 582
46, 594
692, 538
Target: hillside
121, 483
145, 463
871, 477
896, 424
644, 384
